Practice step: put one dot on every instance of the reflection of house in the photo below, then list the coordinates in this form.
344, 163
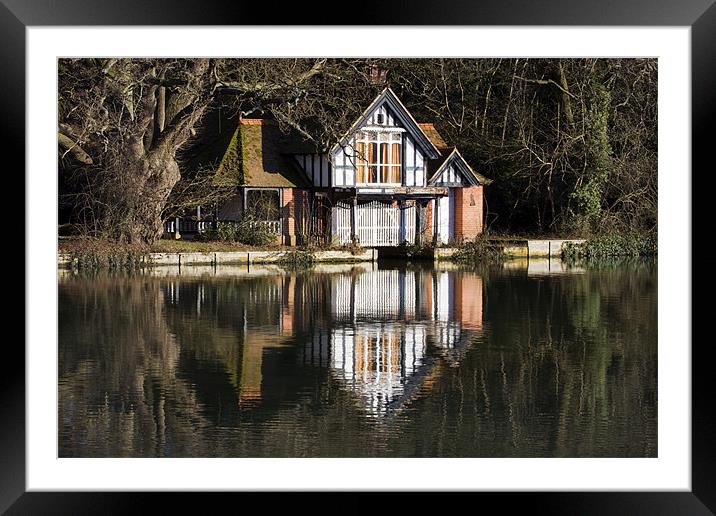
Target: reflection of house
386, 181
378, 360
404, 294
389, 318
380, 333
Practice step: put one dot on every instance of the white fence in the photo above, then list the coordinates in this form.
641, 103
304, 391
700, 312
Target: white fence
377, 224
274, 226
186, 226
193, 226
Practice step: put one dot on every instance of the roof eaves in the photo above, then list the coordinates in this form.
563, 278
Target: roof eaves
400, 110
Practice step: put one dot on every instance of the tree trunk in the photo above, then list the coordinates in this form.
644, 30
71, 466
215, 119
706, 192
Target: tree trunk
565, 97
142, 196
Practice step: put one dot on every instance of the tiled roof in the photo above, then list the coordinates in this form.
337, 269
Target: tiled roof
447, 152
432, 133
259, 154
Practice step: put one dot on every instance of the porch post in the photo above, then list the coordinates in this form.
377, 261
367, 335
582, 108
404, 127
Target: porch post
436, 217
418, 221
354, 217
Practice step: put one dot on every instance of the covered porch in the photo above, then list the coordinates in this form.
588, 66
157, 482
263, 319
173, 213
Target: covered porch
385, 217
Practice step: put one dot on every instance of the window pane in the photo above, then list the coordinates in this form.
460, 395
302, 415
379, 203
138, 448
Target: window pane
395, 154
372, 153
359, 161
360, 172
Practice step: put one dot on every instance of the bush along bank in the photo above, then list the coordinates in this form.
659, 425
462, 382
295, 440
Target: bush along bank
247, 231
479, 250
609, 246
298, 259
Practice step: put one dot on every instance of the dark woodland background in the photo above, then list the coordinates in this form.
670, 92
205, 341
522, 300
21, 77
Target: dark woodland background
571, 144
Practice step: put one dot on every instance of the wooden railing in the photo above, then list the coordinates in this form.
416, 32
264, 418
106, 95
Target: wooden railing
273, 225
377, 224
186, 225
194, 226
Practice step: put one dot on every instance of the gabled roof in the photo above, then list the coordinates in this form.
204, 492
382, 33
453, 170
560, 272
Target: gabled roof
450, 155
453, 156
259, 154
432, 133
388, 97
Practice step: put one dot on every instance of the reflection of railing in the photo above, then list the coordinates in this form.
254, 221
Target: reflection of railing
186, 225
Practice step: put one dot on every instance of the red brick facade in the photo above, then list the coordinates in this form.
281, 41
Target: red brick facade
296, 213
468, 212
428, 223
293, 211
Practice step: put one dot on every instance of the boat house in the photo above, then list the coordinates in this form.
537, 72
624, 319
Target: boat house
388, 181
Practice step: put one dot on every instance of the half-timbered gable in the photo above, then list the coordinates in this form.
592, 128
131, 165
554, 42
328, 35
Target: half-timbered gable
454, 171
385, 147
316, 167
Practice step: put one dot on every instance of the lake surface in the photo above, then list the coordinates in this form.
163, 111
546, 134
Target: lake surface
527, 359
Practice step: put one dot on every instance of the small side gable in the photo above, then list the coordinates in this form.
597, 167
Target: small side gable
455, 171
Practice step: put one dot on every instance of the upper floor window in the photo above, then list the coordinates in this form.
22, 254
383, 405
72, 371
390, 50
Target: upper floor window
378, 157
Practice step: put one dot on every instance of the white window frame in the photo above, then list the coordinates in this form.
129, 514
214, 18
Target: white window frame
395, 135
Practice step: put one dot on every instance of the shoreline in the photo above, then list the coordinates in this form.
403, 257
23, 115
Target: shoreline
512, 248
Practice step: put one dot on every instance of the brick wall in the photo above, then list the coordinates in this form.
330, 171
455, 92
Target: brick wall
288, 213
468, 212
428, 233
295, 213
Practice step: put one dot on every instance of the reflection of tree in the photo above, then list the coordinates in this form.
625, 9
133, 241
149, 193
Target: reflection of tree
580, 382
120, 399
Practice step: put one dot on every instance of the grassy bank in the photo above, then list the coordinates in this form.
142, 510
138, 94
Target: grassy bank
93, 254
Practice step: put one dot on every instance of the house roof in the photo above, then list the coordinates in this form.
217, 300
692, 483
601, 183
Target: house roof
452, 155
388, 97
259, 154
432, 133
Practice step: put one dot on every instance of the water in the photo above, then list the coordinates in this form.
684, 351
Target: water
524, 360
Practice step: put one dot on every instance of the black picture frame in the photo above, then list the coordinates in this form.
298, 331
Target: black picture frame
700, 15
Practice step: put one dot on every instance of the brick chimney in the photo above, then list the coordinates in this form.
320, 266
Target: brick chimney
378, 76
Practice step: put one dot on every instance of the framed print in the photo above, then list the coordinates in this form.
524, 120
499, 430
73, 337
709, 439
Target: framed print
276, 348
